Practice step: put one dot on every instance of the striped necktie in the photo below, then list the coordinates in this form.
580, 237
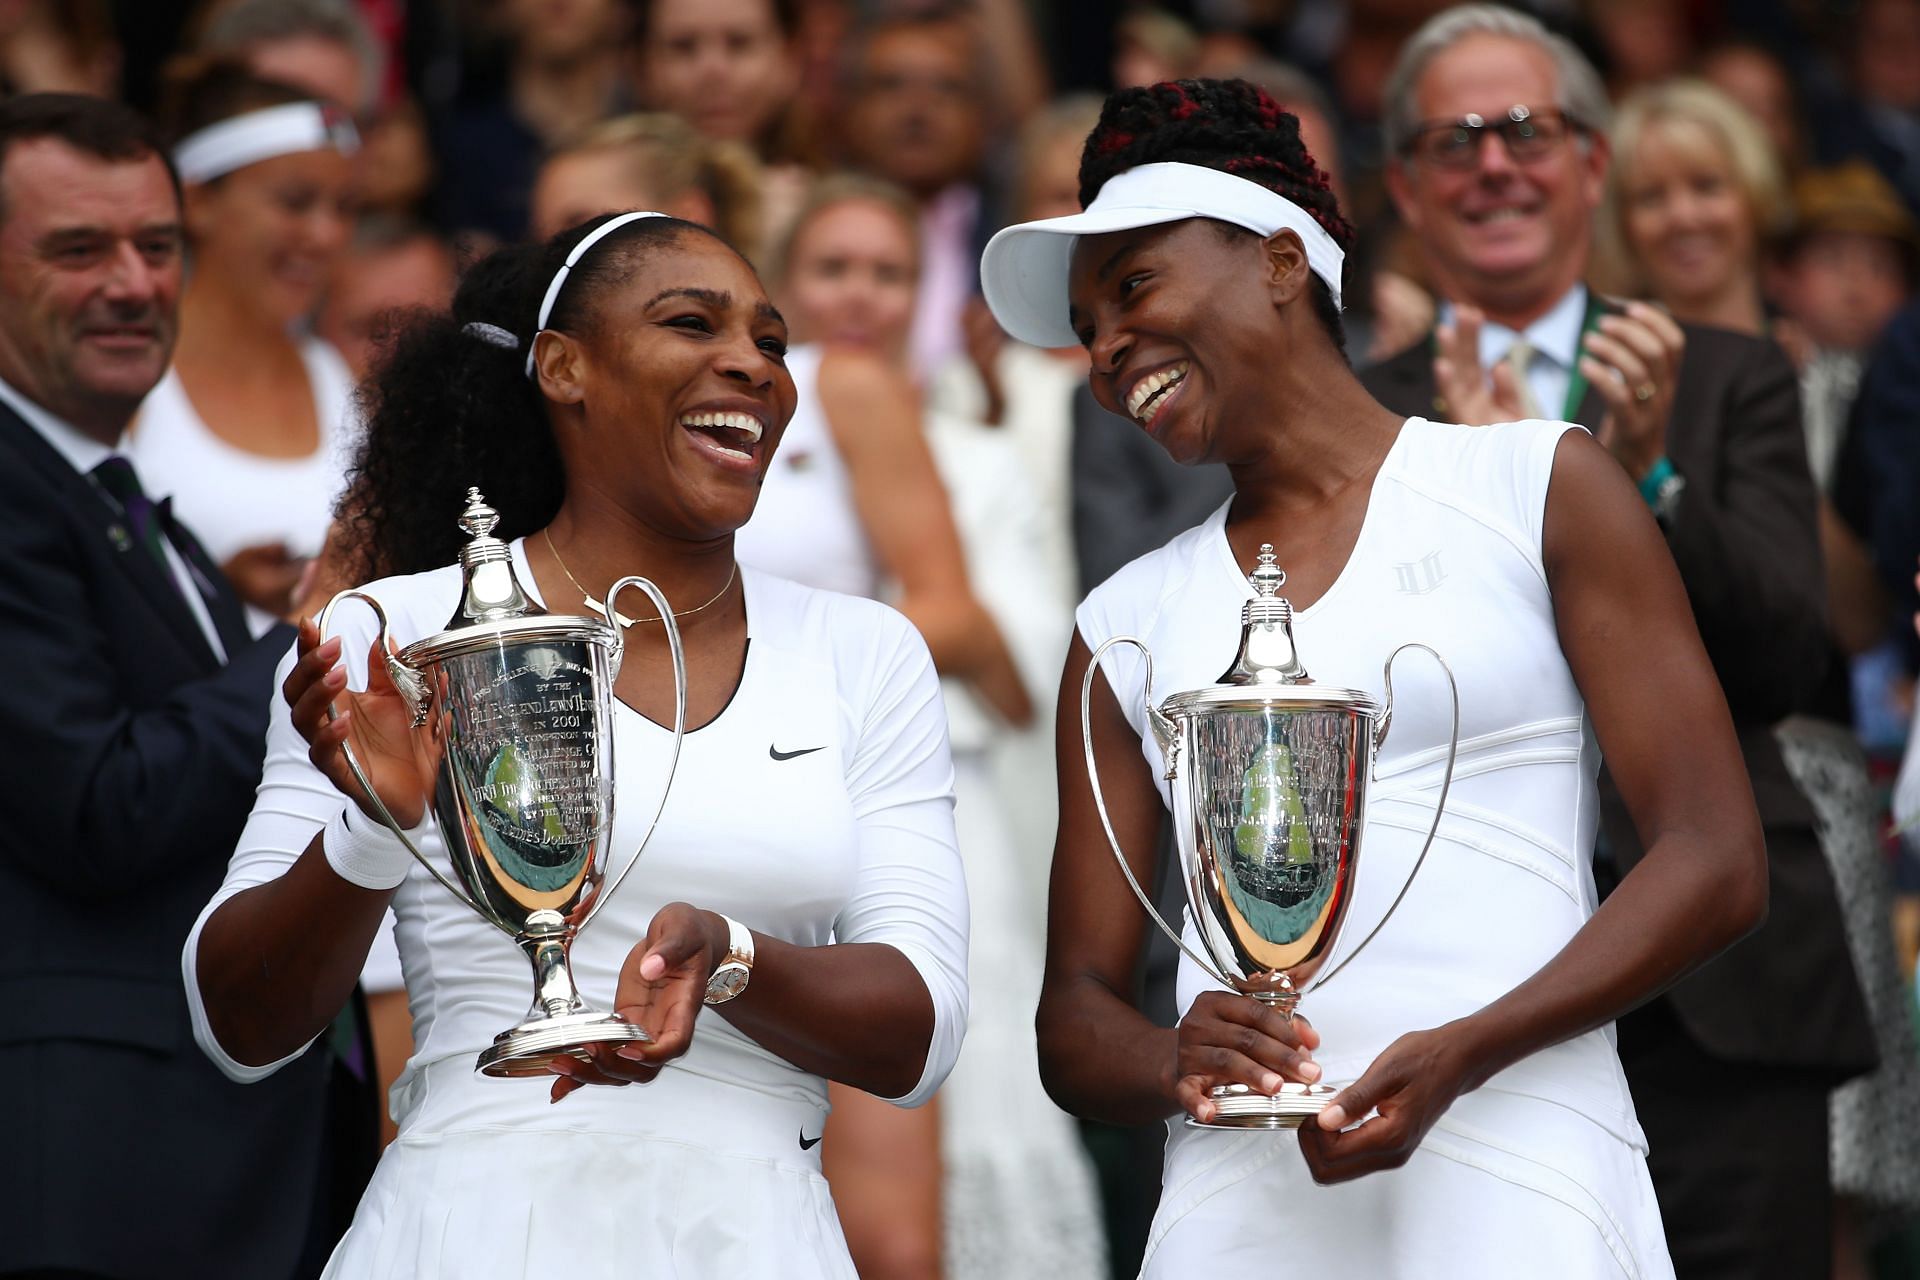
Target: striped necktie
1519, 359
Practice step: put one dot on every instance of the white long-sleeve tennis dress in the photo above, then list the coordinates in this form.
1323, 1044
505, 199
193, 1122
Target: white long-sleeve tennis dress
1542, 1171
817, 808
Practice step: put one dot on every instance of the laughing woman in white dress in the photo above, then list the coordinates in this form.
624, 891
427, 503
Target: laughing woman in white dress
811, 814
1482, 1125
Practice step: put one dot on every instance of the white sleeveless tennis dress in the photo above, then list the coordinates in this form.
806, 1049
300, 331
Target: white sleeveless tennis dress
1541, 1171
233, 499
712, 1169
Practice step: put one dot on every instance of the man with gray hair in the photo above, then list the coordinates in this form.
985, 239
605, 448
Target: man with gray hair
321, 46
1498, 133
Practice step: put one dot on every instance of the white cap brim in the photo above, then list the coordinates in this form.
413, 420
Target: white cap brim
1023, 272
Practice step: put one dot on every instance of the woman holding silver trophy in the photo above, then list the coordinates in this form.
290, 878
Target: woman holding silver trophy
616, 396
1457, 1092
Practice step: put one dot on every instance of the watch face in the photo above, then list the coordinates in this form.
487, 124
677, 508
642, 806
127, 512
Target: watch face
728, 981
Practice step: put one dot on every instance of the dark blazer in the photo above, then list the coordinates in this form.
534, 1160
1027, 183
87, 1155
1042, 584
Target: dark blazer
1745, 540
131, 758
1128, 496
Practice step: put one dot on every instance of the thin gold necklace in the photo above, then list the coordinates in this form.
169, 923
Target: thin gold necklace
619, 617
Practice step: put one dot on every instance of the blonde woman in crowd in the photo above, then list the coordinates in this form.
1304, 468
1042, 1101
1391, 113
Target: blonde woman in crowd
653, 161
1698, 199
245, 431
1001, 1187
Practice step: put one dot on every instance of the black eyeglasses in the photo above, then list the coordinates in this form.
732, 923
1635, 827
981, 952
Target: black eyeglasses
1528, 135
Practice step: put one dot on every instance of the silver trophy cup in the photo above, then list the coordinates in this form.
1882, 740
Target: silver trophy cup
512, 713
1268, 774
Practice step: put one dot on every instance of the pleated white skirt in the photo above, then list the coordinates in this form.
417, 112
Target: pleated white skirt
681, 1179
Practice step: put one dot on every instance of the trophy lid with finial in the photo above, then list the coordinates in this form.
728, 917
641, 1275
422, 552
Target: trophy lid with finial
494, 608
1267, 651
491, 590
1267, 673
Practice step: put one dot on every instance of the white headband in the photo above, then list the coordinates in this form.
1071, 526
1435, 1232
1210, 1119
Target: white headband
219, 149
1024, 269
587, 242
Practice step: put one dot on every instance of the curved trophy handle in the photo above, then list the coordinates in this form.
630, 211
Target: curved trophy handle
413, 688
1165, 732
674, 646
1439, 808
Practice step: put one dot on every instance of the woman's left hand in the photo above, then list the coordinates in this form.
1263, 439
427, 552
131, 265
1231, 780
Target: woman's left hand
1411, 1085
663, 985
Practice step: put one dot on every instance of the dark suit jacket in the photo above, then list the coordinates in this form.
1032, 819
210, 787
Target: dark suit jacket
1129, 497
131, 757
1745, 540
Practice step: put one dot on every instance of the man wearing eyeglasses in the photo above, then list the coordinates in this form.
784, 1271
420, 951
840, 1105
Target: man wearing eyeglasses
1500, 153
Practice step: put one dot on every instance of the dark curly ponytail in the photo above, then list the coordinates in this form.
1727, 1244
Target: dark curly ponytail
1228, 125
450, 404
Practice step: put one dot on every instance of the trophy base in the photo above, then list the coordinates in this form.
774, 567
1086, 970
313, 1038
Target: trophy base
531, 1048
1239, 1107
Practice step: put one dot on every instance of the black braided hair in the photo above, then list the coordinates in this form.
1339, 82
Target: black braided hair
446, 407
1229, 125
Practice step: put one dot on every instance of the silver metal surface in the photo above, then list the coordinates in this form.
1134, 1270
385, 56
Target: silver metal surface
1268, 776
513, 708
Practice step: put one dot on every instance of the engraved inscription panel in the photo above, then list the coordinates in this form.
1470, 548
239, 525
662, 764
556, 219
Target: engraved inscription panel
525, 792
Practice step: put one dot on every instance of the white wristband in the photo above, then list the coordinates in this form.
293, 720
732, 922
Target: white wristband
363, 852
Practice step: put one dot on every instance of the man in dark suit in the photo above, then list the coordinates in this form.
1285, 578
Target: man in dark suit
1500, 157
133, 710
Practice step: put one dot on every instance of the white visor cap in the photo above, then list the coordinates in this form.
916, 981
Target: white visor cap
1024, 269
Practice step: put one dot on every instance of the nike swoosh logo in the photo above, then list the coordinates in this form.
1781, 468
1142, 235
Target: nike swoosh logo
778, 754
806, 1143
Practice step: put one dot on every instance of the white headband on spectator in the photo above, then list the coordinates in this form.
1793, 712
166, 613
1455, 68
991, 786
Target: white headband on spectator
219, 149
1024, 269
587, 242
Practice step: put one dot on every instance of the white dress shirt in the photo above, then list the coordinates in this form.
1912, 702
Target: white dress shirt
1555, 339
84, 453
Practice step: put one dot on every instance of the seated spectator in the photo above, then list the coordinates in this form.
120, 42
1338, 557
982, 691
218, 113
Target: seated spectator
729, 68
245, 430
561, 70
1695, 197
916, 116
651, 161
321, 46
390, 267
1753, 76
59, 46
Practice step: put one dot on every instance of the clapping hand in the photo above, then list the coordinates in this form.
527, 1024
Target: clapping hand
1632, 361
663, 986
1470, 397
1235, 1039
1397, 1100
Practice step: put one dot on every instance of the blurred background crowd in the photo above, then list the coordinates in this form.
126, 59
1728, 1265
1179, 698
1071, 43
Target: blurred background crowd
1765, 179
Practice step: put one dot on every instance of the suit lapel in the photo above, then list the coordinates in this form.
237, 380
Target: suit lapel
100, 518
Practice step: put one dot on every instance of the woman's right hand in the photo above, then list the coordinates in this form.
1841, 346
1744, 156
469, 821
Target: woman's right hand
1235, 1039
378, 723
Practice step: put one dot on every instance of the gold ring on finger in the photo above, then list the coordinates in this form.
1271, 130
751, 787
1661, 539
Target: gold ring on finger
1643, 392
